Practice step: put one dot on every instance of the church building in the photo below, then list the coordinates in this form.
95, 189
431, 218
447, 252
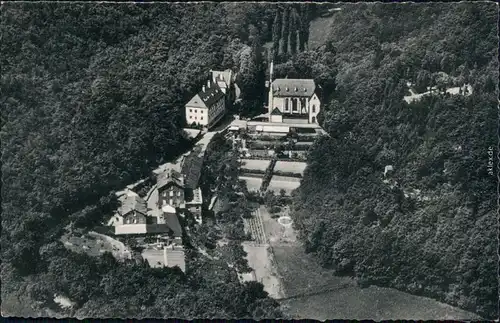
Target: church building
293, 100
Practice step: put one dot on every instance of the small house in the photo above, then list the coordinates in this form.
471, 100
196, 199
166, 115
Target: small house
170, 186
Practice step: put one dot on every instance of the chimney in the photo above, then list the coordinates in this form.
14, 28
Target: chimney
203, 88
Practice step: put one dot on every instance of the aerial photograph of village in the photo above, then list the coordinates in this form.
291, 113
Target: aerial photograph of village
265, 160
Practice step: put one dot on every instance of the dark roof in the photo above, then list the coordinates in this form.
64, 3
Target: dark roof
133, 203
157, 228
173, 223
170, 176
212, 94
191, 168
293, 87
276, 112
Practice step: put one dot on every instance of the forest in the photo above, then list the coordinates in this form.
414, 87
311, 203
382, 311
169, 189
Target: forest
92, 100
429, 226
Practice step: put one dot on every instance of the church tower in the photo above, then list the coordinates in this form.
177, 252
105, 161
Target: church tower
270, 97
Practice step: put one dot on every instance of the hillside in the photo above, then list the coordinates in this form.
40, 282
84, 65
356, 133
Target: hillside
92, 99
428, 227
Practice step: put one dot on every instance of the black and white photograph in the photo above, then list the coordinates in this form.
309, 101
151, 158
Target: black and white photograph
249, 160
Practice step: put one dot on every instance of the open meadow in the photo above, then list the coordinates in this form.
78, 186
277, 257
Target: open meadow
316, 293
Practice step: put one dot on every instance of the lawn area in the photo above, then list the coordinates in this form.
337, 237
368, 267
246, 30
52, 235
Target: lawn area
302, 274
290, 167
95, 244
374, 303
319, 31
263, 271
256, 164
334, 297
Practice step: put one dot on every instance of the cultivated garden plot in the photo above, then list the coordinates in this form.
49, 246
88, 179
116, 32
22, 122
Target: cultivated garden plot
254, 164
283, 182
253, 183
290, 167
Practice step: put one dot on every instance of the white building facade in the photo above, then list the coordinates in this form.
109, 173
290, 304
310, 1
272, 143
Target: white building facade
292, 100
295, 99
207, 107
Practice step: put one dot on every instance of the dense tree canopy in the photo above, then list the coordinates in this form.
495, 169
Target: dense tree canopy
92, 99
428, 227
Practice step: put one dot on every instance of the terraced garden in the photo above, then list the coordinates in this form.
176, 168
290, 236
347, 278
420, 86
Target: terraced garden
254, 164
290, 167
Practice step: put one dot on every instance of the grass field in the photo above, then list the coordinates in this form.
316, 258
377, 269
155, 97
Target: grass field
290, 167
302, 274
95, 244
254, 164
326, 296
258, 260
319, 31
373, 303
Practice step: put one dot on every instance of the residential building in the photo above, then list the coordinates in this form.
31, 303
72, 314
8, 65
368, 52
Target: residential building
170, 185
207, 107
133, 218
133, 210
296, 99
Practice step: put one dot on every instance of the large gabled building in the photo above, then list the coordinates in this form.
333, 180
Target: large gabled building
207, 107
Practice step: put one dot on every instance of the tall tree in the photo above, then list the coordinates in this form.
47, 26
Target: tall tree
293, 29
276, 34
302, 25
285, 32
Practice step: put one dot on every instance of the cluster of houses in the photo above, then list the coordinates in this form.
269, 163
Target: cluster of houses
176, 194
162, 213
172, 196
290, 101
